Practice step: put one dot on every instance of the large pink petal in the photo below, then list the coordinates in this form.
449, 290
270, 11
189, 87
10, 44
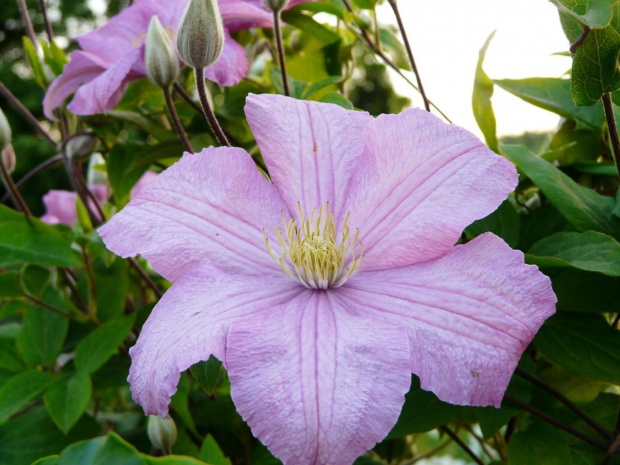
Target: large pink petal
190, 323
210, 207
420, 182
232, 65
244, 14
106, 90
317, 384
82, 67
310, 148
470, 315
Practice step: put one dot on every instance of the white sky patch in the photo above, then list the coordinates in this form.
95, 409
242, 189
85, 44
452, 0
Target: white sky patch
446, 36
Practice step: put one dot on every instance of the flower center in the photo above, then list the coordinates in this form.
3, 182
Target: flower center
313, 252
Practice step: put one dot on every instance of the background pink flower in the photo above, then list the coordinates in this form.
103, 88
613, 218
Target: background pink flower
319, 350
113, 55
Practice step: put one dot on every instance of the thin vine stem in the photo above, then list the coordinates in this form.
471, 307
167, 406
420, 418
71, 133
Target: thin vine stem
48, 26
403, 32
23, 10
555, 422
55, 160
45, 305
278, 35
372, 46
206, 108
19, 201
25, 113
558, 395
175, 120
611, 127
462, 444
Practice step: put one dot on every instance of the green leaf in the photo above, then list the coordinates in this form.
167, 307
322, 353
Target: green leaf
43, 333
29, 240
395, 48
51, 460
503, 222
307, 24
594, 13
67, 399
582, 207
207, 374
10, 358
335, 8
20, 390
104, 450
540, 444
180, 404
582, 344
97, 348
172, 460
576, 388
35, 62
33, 435
35, 279
581, 291
210, 452
589, 251
554, 95
321, 84
10, 285
338, 99
422, 412
112, 287
595, 71
481, 100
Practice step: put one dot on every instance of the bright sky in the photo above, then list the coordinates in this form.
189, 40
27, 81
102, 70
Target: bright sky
446, 36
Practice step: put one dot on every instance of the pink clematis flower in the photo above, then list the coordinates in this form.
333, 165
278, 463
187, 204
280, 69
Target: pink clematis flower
60, 205
113, 55
319, 333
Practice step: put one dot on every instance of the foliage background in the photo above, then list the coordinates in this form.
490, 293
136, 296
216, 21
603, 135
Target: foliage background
63, 347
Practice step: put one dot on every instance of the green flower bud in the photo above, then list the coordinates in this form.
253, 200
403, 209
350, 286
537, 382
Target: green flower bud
80, 145
97, 173
5, 132
8, 159
275, 5
162, 432
162, 63
200, 36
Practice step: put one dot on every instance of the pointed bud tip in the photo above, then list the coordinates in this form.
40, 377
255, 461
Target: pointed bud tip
275, 5
200, 36
9, 159
162, 64
162, 432
5, 131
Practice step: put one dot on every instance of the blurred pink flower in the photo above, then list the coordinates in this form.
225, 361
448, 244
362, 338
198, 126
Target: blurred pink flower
113, 55
319, 334
60, 206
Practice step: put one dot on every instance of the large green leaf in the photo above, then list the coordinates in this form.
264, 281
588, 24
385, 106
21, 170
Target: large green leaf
29, 240
503, 222
422, 412
589, 251
207, 373
584, 208
10, 285
104, 450
554, 95
540, 444
481, 100
43, 332
97, 348
595, 62
67, 399
20, 390
594, 13
583, 344
581, 291
211, 453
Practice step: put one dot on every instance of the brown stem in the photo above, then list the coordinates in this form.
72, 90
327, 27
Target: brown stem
176, 122
40, 303
178, 88
558, 395
23, 10
206, 108
147, 279
557, 423
390, 63
280, 47
25, 113
19, 201
48, 25
33, 172
462, 444
575, 45
611, 127
401, 26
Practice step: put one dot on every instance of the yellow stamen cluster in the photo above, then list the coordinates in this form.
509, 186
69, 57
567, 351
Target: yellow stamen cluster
313, 253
